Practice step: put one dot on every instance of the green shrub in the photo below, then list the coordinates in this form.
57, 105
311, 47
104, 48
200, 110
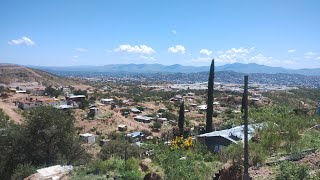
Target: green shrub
292, 171
22, 171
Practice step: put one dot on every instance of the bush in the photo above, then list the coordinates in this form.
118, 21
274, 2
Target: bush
22, 171
169, 115
191, 167
113, 168
290, 170
156, 125
116, 148
114, 135
257, 154
233, 153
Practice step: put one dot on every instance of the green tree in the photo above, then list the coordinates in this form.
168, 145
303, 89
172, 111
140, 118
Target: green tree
80, 92
210, 98
46, 137
52, 92
181, 118
49, 128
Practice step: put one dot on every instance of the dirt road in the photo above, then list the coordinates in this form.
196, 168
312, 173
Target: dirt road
9, 110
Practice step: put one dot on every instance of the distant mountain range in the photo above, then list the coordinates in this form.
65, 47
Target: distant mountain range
176, 68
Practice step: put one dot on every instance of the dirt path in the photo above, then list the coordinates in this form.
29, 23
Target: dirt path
9, 110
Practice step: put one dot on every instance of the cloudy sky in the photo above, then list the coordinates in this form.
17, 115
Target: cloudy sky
282, 33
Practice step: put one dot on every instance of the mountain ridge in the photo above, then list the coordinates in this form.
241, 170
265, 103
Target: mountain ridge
177, 68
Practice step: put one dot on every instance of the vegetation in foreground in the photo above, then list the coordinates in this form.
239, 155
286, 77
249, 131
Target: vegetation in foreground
43, 140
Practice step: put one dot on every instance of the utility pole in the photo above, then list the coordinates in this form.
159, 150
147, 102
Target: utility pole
245, 118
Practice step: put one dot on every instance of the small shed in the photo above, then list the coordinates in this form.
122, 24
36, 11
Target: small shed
202, 108
122, 127
94, 110
104, 142
135, 110
107, 101
162, 120
88, 138
135, 136
144, 119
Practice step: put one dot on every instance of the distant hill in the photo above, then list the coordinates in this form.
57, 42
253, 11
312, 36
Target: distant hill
13, 73
176, 68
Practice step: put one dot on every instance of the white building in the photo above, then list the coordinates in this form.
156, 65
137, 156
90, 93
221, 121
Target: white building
107, 101
88, 138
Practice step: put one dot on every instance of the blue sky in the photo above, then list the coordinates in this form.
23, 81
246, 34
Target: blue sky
90, 32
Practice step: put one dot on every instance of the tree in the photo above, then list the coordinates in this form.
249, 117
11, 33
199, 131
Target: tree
181, 118
52, 92
210, 98
50, 130
47, 136
23, 170
80, 92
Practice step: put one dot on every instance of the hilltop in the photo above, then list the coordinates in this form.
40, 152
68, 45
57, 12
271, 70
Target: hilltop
10, 73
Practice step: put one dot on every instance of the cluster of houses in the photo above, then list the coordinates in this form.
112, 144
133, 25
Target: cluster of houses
30, 102
67, 103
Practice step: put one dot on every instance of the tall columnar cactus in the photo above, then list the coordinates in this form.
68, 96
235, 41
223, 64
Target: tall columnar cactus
210, 98
181, 118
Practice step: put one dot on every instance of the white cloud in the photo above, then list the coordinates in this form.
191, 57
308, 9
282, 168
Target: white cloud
219, 52
81, 49
142, 49
318, 58
201, 60
240, 50
310, 55
247, 55
234, 55
177, 49
174, 32
205, 52
22, 41
292, 50
262, 59
75, 56
149, 58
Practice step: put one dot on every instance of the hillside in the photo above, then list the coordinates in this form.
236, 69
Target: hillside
14, 74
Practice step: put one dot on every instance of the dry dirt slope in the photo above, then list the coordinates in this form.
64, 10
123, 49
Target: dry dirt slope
14, 73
